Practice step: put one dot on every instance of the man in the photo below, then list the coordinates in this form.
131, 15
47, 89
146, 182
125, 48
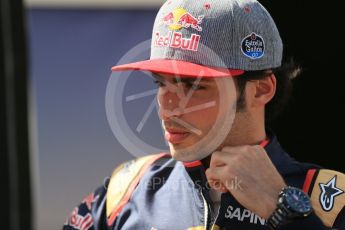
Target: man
218, 65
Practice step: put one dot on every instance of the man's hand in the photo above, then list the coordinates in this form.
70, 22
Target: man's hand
249, 175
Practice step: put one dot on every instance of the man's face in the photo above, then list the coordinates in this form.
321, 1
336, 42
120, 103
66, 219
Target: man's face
195, 117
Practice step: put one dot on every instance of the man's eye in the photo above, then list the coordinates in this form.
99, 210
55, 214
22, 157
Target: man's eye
159, 83
194, 86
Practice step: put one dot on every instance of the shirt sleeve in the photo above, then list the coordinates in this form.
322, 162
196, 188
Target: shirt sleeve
326, 189
311, 222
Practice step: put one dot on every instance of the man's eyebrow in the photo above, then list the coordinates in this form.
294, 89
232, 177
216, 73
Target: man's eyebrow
191, 80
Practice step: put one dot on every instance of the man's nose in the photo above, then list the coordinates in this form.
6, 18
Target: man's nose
168, 104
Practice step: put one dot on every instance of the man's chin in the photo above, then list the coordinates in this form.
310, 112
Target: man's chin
186, 156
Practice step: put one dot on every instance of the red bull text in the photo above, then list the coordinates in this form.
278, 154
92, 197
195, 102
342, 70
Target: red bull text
177, 41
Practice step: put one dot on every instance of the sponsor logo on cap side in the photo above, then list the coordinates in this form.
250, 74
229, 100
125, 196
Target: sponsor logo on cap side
253, 46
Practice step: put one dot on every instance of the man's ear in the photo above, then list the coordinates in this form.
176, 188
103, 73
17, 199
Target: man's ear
265, 89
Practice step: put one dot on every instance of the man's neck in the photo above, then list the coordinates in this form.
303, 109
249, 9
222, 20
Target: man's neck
248, 129
254, 138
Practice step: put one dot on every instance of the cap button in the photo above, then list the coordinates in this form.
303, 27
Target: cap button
207, 6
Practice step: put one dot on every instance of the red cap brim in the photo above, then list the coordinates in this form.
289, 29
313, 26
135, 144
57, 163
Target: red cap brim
176, 67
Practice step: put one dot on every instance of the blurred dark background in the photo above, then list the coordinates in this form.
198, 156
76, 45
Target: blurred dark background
59, 92
311, 129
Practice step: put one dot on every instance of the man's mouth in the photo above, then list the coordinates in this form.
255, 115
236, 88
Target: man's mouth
175, 136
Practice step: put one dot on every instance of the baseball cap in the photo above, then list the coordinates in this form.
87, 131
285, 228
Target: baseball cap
214, 38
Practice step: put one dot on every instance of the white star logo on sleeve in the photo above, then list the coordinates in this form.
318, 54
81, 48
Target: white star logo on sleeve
328, 193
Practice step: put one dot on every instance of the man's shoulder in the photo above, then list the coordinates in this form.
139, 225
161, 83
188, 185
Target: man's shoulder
291, 169
109, 199
326, 189
130, 172
127, 176
140, 164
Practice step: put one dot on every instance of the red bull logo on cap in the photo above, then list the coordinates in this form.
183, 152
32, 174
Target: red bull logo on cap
180, 18
177, 41
176, 20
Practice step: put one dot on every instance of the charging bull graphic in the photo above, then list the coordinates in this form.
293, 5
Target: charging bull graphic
180, 18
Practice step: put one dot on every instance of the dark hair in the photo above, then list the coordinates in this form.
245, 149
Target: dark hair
284, 75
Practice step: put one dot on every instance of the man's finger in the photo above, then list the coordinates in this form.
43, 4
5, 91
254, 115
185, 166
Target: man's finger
217, 159
214, 177
214, 173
